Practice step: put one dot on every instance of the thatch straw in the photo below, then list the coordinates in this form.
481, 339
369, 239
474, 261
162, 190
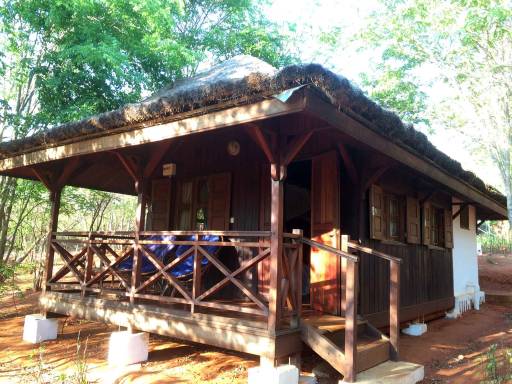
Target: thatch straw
245, 79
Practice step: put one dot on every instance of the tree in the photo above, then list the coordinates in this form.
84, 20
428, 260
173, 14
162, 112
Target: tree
65, 60
461, 50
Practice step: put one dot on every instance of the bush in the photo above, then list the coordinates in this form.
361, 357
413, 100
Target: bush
495, 243
7, 273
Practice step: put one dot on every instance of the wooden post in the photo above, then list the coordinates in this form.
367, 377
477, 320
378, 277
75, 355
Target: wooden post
54, 221
88, 264
394, 309
344, 247
196, 280
276, 249
351, 321
139, 226
298, 278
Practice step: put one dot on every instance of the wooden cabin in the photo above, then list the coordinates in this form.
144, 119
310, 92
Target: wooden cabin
333, 219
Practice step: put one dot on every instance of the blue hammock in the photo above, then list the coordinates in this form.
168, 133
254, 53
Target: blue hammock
187, 266
161, 251
168, 252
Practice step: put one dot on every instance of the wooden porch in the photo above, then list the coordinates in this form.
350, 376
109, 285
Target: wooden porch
87, 283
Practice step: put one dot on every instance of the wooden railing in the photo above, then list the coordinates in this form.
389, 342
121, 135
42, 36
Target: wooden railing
351, 294
394, 294
90, 264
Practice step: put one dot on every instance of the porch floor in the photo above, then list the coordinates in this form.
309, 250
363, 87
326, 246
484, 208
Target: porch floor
236, 331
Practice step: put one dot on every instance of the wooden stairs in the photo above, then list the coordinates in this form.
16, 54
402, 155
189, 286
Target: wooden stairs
325, 335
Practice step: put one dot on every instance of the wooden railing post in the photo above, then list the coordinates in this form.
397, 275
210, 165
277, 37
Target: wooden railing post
351, 279
88, 263
54, 221
139, 227
196, 277
276, 250
394, 308
344, 239
297, 276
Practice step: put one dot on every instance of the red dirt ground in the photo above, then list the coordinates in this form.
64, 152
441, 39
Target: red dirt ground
453, 351
495, 273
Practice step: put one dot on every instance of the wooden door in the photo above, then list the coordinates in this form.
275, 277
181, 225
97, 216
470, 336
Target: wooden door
219, 201
325, 218
160, 205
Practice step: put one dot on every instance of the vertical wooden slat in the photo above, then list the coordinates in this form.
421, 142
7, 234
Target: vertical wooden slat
351, 321
88, 263
344, 247
139, 226
54, 221
298, 277
276, 251
394, 305
196, 282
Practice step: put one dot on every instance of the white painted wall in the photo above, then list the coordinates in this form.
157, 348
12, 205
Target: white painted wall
466, 287
465, 263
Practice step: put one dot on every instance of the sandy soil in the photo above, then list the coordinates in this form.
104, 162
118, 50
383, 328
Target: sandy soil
453, 351
169, 361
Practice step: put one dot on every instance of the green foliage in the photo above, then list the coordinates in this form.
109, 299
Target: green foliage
97, 55
498, 365
7, 273
63, 60
495, 243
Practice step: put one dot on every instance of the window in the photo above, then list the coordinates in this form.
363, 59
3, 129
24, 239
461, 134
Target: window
393, 218
387, 215
464, 217
203, 203
437, 227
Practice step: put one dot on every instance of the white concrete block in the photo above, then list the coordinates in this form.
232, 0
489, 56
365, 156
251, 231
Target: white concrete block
303, 379
37, 328
415, 329
284, 374
125, 348
392, 372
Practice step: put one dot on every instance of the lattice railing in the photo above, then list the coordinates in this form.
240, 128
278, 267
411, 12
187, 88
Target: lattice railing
90, 264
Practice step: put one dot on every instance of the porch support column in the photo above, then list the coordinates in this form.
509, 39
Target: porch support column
140, 222
278, 174
55, 194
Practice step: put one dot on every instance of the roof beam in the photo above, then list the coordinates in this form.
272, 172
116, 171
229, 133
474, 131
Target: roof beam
68, 171
367, 133
44, 179
148, 133
296, 145
349, 164
156, 158
260, 139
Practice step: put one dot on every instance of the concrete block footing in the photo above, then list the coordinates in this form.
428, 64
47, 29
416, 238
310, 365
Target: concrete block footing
125, 348
37, 328
391, 372
283, 374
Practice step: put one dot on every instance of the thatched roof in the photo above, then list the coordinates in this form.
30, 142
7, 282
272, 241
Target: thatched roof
243, 80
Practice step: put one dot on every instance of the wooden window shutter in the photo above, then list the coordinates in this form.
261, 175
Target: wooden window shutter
413, 220
376, 213
427, 223
448, 229
219, 201
160, 204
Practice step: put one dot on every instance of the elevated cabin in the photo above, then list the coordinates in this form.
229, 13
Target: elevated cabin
332, 221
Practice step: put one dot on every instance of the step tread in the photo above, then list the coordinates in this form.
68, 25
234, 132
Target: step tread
329, 323
371, 345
